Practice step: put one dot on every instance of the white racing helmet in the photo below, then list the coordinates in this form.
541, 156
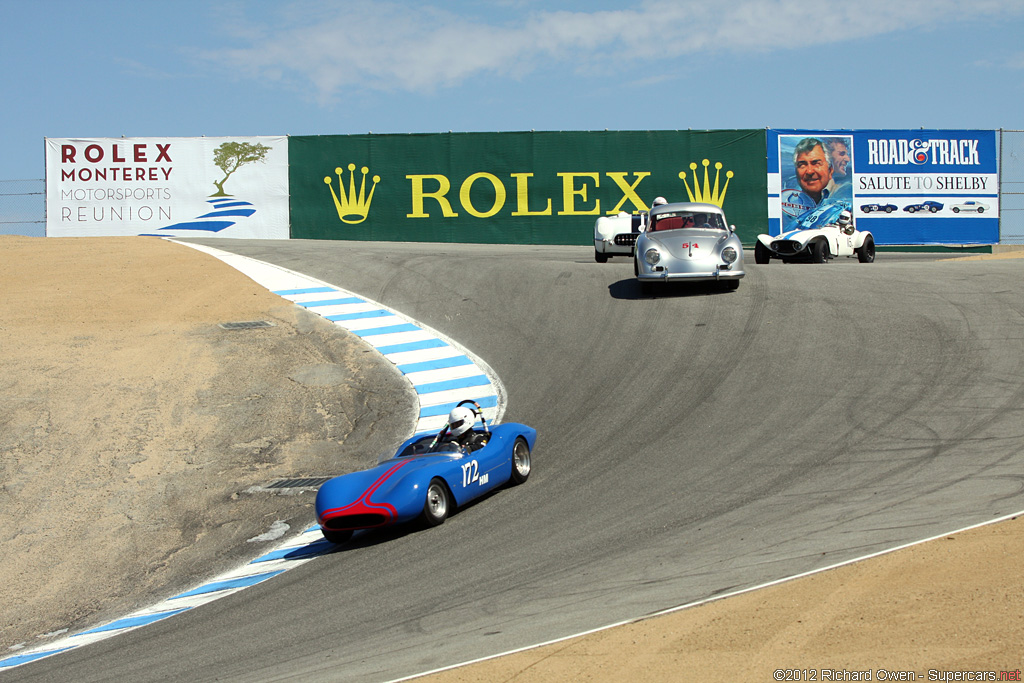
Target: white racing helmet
845, 217
460, 420
658, 201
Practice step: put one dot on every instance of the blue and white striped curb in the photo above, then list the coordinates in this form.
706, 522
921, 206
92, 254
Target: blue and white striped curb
294, 552
441, 372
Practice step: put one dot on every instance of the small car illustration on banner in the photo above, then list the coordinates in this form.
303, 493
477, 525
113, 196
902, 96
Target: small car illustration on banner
970, 206
873, 208
923, 206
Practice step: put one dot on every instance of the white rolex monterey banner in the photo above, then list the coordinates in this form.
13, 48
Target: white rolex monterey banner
233, 187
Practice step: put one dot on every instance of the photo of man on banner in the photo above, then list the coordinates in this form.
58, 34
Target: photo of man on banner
816, 170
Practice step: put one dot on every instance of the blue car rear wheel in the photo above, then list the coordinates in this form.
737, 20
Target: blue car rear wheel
520, 461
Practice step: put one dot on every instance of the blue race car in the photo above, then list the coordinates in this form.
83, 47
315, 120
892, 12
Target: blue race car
923, 206
871, 208
427, 478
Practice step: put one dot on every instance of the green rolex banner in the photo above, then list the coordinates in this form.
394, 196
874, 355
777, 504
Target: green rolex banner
516, 188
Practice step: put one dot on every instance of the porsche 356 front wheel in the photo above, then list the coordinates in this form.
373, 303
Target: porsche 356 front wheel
435, 509
520, 461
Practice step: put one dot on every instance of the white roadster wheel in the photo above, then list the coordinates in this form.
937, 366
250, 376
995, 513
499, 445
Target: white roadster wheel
866, 252
761, 255
819, 251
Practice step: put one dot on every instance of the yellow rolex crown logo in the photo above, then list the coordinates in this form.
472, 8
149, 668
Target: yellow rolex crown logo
352, 207
707, 195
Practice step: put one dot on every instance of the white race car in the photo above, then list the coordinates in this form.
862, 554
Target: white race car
616, 235
819, 236
970, 205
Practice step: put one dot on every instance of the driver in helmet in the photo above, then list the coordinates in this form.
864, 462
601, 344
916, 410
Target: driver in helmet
645, 220
460, 429
845, 222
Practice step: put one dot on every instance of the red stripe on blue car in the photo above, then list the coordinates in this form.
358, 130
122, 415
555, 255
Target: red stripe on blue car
363, 505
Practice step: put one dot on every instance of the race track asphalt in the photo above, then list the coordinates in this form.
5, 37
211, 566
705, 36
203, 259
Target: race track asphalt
689, 444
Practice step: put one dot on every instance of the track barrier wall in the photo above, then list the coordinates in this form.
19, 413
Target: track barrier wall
515, 188
909, 187
526, 188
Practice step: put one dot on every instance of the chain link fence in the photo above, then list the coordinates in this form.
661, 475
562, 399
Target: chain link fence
23, 202
1011, 187
23, 207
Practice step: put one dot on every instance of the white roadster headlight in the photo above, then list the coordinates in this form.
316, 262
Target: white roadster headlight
652, 256
729, 254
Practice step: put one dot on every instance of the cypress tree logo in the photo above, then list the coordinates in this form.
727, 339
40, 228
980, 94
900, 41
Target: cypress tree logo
231, 156
707, 195
352, 207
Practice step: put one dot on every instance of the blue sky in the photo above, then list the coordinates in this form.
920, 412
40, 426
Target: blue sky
230, 67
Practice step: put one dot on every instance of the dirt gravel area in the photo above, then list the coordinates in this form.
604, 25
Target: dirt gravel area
133, 428
948, 610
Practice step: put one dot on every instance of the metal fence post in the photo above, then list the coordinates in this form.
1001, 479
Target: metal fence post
23, 207
1011, 186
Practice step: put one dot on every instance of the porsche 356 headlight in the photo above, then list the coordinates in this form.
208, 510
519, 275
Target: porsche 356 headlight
729, 254
652, 256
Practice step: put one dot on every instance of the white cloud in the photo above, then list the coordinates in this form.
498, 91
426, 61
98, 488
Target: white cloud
1015, 61
391, 46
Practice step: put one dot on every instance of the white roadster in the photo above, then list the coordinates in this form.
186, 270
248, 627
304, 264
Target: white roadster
616, 235
822, 233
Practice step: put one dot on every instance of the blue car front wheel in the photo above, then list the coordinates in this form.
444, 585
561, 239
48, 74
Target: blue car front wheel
337, 536
435, 509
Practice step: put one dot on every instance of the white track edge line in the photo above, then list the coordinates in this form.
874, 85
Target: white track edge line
705, 601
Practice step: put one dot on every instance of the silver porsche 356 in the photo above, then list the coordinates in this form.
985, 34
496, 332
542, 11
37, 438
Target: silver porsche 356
688, 242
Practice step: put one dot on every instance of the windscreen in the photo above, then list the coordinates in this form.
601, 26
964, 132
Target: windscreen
677, 220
